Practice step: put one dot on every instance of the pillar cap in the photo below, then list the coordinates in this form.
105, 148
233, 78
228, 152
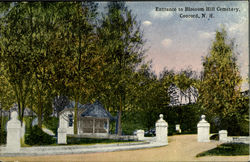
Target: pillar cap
161, 122
222, 131
14, 122
14, 115
203, 122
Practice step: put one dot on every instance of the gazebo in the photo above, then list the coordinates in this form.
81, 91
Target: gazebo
93, 119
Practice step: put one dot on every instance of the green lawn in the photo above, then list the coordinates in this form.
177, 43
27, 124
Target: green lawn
85, 141
74, 140
227, 149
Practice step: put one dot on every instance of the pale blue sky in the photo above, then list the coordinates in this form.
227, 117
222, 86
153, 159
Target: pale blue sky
178, 43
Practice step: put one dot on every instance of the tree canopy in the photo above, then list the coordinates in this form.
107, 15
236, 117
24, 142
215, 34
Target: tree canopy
220, 87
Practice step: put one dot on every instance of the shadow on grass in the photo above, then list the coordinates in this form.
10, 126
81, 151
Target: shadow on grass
227, 149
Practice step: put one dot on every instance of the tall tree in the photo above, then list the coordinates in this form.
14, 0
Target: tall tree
17, 50
220, 88
78, 63
123, 45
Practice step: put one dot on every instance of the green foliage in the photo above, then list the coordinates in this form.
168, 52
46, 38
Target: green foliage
229, 149
28, 123
59, 49
3, 136
3, 133
52, 124
214, 137
131, 122
122, 45
76, 140
219, 93
37, 137
186, 115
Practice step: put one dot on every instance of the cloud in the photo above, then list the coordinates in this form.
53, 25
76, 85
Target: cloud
147, 23
161, 14
240, 27
166, 42
206, 35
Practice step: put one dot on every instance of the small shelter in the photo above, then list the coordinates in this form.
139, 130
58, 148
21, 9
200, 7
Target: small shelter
92, 119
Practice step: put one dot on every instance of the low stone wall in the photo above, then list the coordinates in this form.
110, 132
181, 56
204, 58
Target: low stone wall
233, 139
239, 139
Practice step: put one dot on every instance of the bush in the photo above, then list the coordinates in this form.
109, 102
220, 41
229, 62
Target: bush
3, 135
37, 137
215, 137
52, 124
171, 130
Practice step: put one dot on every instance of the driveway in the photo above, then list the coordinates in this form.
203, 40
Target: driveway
180, 148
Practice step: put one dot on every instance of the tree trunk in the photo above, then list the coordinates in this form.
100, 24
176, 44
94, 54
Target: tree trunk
40, 112
1, 127
76, 114
119, 118
39, 117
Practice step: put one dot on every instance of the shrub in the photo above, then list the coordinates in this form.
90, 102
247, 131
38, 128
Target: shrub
171, 130
37, 137
3, 135
215, 137
52, 124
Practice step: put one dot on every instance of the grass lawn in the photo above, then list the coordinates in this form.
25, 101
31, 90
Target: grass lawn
84, 141
227, 149
74, 140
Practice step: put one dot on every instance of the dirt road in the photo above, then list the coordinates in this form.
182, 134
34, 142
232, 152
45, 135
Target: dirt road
180, 148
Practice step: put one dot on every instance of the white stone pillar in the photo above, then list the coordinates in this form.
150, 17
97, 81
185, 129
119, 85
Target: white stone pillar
203, 130
13, 134
223, 136
161, 131
177, 128
61, 136
140, 134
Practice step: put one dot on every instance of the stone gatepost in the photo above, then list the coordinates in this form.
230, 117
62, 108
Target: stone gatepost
203, 130
140, 134
61, 136
177, 128
13, 134
161, 130
223, 136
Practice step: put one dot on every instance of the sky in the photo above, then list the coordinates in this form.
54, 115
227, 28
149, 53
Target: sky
177, 43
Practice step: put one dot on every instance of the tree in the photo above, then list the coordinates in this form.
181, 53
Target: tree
220, 88
79, 59
187, 81
59, 104
17, 50
7, 99
123, 45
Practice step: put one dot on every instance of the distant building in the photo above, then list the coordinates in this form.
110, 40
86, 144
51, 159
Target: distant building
178, 97
27, 111
93, 119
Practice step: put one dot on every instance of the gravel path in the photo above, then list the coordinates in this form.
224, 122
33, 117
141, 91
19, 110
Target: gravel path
180, 148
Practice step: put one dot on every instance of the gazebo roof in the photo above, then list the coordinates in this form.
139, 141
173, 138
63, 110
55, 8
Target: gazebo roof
96, 110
